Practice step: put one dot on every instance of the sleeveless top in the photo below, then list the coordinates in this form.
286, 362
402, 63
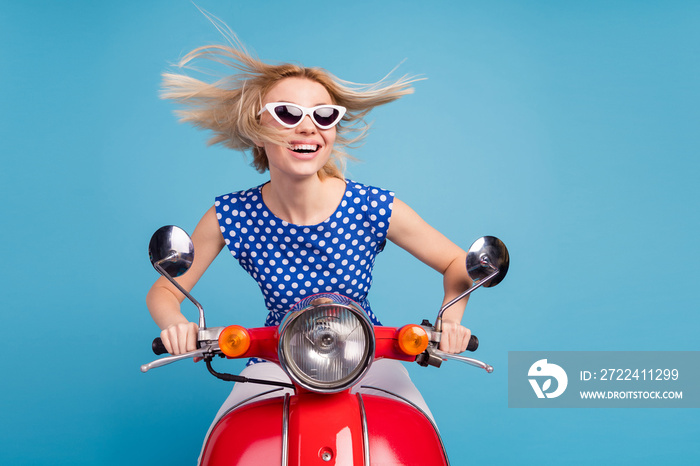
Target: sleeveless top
291, 262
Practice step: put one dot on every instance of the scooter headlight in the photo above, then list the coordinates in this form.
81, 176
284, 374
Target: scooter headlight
328, 345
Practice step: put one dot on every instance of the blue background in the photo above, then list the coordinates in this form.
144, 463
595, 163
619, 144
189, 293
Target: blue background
569, 129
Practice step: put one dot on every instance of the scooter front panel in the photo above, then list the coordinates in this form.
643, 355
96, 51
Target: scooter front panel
325, 430
249, 435
401, 434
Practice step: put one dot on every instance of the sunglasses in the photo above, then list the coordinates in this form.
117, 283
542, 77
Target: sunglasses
291, 115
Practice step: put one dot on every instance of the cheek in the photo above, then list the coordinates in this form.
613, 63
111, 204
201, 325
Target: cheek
329, 136
272, 150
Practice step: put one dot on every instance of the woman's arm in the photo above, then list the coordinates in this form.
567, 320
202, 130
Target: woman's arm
163, 300
413, 234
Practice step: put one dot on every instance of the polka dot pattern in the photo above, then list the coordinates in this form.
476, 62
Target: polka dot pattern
290, 262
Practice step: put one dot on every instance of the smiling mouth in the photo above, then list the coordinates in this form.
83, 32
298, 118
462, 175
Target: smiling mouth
305, 148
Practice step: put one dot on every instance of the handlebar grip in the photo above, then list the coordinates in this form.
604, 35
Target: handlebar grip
159, 348
473, 343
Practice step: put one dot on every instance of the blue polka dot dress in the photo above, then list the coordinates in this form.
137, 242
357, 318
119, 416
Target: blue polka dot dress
291, 262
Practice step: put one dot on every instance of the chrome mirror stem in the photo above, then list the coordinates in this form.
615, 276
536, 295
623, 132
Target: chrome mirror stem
162, 271
438, 322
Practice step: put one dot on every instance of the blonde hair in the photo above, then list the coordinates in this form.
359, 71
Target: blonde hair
229, 106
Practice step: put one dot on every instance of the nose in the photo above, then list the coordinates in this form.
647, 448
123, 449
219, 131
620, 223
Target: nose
306, 126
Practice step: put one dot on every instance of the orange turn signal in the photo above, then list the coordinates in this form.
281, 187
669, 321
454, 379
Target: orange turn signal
234, 341
413, 339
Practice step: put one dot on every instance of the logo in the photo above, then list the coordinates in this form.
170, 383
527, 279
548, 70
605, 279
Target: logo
543, 369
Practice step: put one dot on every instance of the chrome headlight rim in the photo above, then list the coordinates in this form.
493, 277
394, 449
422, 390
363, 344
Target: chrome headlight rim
309, 312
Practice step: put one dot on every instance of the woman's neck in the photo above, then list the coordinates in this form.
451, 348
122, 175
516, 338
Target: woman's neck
303, 201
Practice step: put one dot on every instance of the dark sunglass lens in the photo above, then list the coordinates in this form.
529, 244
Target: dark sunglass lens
326, 116
289, 114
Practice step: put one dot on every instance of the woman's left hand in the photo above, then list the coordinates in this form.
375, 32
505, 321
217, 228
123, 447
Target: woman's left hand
455, 337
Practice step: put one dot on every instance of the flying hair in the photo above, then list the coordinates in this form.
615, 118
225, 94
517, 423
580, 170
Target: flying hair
229, 105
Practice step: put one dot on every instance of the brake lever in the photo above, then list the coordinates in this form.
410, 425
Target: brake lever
471, 361
198, 353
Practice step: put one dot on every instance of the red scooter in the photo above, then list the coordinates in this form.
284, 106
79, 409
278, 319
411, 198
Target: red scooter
325, 344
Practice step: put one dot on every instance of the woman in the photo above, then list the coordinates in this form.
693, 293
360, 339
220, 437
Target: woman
307, 230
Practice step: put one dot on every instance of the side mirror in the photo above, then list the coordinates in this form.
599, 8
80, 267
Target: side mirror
172, 250
487, 265
171, 253
487, 255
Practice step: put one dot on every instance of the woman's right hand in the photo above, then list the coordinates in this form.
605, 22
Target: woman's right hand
163, 300
180, 338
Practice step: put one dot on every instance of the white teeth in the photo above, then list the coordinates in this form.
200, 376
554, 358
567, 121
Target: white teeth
311, 147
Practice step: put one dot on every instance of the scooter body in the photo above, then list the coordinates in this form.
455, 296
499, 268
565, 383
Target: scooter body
337, 428
325, 345
317, 429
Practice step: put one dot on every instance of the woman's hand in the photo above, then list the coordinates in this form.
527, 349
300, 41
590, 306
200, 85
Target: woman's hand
180, 338
163, 300
455, 337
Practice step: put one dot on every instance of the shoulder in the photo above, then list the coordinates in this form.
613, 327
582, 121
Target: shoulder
372, 194
239, 203
376, 205
236, 197
235, 213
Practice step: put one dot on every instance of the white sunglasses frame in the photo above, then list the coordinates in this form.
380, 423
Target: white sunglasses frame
270, 107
